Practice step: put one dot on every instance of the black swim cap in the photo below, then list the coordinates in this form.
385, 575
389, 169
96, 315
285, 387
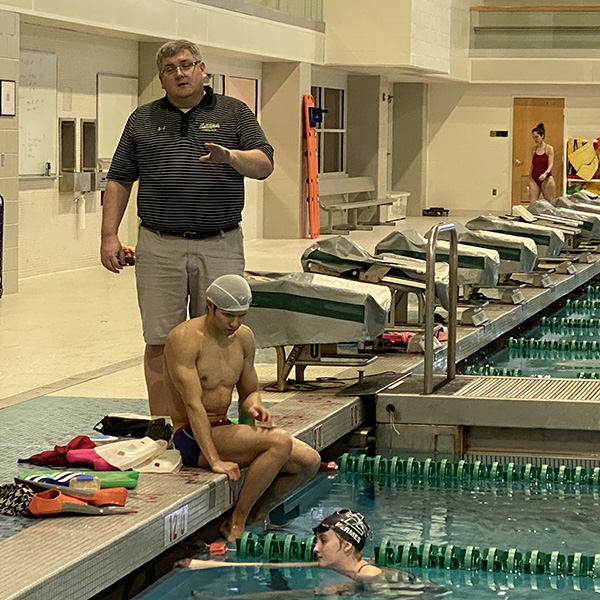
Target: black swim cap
350, 526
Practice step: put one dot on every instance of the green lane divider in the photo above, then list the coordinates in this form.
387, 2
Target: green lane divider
593, 291
578, 306
492, 371
447, 556
523, 345
272, 547
565, 325
588, 375
489, 371
378, 466
473, 558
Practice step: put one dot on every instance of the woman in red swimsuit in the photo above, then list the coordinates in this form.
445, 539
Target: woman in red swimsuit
542, 160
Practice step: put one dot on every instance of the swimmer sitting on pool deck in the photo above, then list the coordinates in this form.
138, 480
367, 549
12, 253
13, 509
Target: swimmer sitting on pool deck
340, 538
205, 358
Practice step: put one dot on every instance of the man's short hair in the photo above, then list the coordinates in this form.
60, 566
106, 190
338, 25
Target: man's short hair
175, 47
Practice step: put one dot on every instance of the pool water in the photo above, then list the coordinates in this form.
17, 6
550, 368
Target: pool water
553, 346
545, 517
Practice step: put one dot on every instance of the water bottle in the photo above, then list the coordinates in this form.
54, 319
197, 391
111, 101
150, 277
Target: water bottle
83, 481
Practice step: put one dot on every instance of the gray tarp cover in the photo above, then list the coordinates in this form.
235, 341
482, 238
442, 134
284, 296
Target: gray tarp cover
585, 197
517, 254
589, 206
308, 308
346, 258
590, 229
475, 265
549, 241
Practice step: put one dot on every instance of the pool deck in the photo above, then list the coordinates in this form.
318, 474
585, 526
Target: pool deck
77, 557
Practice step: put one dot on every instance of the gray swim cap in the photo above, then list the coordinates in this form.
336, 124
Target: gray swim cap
230, 292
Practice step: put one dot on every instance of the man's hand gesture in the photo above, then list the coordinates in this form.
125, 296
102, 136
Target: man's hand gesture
216, 154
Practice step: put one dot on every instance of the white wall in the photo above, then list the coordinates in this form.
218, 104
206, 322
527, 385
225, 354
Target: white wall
360, 34
173, 19
49, 239
415, 33
9, 155
252, 215
460, 32
464, 163
430, 35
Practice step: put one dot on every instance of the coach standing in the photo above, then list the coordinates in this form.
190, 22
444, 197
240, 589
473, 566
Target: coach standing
190, 151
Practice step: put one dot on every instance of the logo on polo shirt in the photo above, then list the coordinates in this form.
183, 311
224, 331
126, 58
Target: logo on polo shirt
161, 128
208, 126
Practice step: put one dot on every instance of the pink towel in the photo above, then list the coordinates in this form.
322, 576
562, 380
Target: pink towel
88, 458
58, 456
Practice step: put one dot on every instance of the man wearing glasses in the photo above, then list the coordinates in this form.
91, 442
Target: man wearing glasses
190, 151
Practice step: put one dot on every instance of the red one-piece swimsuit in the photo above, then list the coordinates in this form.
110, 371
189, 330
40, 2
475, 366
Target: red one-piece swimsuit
540, 165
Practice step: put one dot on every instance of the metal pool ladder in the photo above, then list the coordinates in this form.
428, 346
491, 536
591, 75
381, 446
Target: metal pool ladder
430, 306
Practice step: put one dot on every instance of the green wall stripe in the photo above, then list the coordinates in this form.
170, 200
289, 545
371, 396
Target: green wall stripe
506, 253
332, 309
464, 262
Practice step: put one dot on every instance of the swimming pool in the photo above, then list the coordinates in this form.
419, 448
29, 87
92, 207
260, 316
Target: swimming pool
565, 344
484, 513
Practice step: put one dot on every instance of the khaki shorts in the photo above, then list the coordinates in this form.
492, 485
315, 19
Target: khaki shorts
172, 274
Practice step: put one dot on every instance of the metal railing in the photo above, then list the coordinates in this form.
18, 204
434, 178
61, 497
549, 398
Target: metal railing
430, 306
531, 28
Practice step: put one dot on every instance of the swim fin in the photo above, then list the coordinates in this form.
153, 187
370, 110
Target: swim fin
109, 497
54, 502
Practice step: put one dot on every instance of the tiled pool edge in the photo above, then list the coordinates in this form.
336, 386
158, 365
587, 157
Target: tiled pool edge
77, 557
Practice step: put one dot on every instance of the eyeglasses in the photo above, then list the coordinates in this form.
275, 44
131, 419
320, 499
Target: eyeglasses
185, 68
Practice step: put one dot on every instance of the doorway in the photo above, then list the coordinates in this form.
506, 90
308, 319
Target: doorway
527, 113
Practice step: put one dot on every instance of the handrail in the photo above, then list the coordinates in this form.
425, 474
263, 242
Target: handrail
430, 305
535, 9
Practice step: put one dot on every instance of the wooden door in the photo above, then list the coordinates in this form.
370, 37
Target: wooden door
527, 113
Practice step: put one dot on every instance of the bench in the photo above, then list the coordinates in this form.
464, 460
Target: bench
344, 187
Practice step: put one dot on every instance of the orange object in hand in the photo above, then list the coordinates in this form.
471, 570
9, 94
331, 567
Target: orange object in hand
129, 255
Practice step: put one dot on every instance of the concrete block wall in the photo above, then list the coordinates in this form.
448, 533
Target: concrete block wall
87, 39
430, 35
50, 239
9, 153
464, 163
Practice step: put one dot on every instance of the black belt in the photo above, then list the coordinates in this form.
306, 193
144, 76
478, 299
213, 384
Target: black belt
195, 235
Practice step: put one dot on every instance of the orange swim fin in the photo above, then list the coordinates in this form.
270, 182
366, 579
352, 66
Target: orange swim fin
53, 502
107, 497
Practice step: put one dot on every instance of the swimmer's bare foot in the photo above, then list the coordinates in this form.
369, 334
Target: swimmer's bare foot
182, 564
230, 531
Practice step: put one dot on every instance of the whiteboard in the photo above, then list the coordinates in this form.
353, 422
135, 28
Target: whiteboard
38, 123
117, 99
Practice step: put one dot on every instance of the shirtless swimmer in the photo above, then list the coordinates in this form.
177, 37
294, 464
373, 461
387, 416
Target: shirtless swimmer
205, 358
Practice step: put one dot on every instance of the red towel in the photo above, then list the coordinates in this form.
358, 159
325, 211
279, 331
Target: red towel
58, 456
